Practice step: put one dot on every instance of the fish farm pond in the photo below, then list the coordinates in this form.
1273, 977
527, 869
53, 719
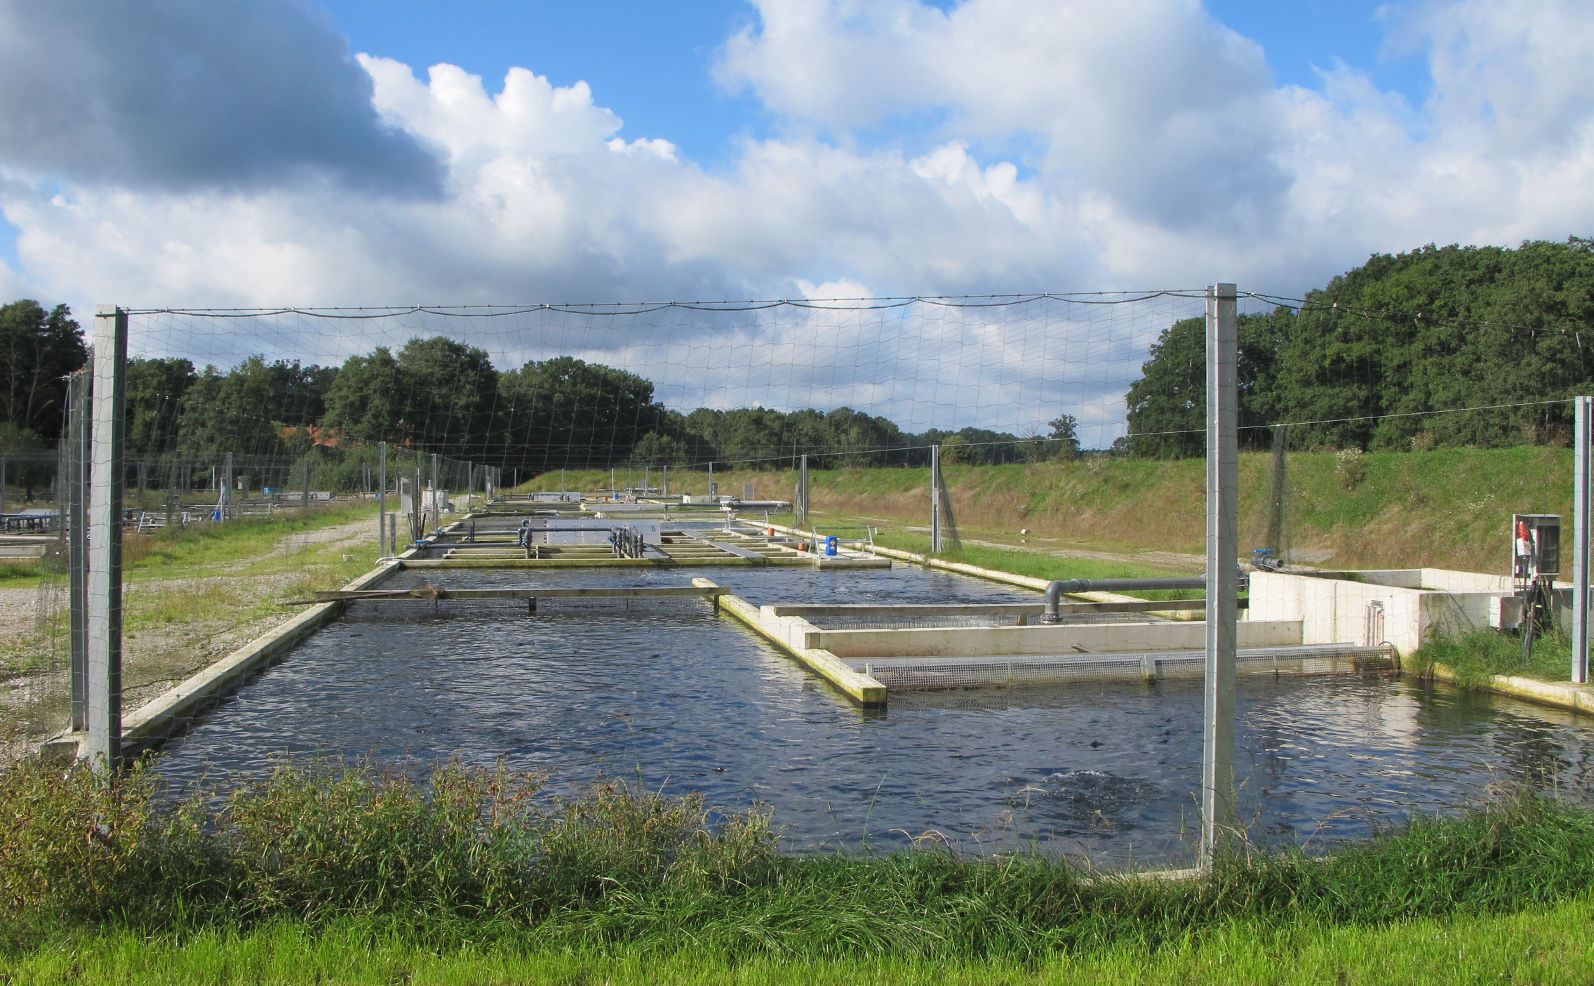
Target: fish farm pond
671, 694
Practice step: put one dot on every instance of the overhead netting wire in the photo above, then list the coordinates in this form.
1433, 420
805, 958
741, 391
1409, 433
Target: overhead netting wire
545, 387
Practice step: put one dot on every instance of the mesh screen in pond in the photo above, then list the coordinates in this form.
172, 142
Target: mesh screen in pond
520, 609
939, 673
928, 620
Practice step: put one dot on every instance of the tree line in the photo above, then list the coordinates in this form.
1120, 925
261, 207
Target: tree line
439, 395
1362, 363
1367, 360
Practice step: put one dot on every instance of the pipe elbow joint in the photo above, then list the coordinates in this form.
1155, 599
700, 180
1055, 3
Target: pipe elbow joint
1054, 595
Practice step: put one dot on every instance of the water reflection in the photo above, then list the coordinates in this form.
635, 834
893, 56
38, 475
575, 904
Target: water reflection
694, 702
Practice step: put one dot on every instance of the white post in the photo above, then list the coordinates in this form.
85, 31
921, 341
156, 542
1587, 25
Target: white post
382, 547
1581, 531
1223, 481
437, 520
935, 499
231, 510
104, 712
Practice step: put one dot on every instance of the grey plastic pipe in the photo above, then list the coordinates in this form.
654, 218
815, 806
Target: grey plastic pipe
1054, 591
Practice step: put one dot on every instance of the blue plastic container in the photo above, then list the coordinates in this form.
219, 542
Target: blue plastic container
830, 544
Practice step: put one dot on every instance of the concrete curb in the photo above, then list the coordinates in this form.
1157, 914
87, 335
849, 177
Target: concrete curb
789, 634
1561, 695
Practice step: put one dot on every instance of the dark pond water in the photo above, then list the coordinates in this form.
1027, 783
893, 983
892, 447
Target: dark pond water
692, 701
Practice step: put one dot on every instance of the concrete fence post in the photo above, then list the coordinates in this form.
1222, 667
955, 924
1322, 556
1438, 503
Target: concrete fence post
1223, 482
74, 487
104, 711
1583, 450
801, 520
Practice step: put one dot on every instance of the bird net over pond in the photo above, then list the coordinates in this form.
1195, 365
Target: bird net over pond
538, 387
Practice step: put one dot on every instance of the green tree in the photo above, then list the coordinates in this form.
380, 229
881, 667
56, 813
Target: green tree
155, 392
1442, 328
363, 403
1167, 405
567, 413
658, 450
37, 351
1065, 437
232, 412
448, 396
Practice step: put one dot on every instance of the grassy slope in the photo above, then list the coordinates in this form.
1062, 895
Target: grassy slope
1546, 945
1448, 508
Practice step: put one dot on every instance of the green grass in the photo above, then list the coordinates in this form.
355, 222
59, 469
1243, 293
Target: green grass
1035, 564
1478, 656
370, 872
1542, 945
183, 551
21, 573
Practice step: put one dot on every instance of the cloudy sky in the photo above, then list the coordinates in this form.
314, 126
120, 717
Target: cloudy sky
263, 152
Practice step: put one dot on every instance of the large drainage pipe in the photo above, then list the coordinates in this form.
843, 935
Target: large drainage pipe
1054, 591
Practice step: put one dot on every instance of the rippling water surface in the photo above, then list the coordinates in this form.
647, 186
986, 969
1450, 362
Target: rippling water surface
692, 701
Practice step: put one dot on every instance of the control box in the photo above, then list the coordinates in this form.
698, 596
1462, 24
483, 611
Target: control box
1535, 546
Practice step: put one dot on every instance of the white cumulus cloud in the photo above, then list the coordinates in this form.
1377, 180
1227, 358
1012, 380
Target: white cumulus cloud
1070, 145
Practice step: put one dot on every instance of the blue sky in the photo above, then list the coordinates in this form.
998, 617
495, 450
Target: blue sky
652, 62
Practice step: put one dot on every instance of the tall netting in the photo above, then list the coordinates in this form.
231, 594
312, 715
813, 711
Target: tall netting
547, 387
234, 415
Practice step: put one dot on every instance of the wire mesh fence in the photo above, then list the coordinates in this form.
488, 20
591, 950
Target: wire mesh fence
234, 417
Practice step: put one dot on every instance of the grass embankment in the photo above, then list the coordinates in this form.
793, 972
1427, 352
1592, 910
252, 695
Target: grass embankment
1034, 564
1447, 508
191, 594
325, 872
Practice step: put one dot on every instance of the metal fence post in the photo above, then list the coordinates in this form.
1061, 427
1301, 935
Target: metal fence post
105, 540
935, 499
232, 483
1223, 481
1581, 494
382, 547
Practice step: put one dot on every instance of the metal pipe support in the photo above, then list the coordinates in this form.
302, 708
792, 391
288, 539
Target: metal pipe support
1056, 590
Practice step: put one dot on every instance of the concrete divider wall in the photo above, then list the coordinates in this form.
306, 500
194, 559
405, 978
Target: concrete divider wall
1370, 610
986, 641
789, 633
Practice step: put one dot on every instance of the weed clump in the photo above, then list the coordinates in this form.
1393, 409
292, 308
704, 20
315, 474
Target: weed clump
1479, 655
473, 854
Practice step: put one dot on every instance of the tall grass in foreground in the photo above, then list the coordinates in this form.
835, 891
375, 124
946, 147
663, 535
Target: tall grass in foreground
1477, 656
482, 855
